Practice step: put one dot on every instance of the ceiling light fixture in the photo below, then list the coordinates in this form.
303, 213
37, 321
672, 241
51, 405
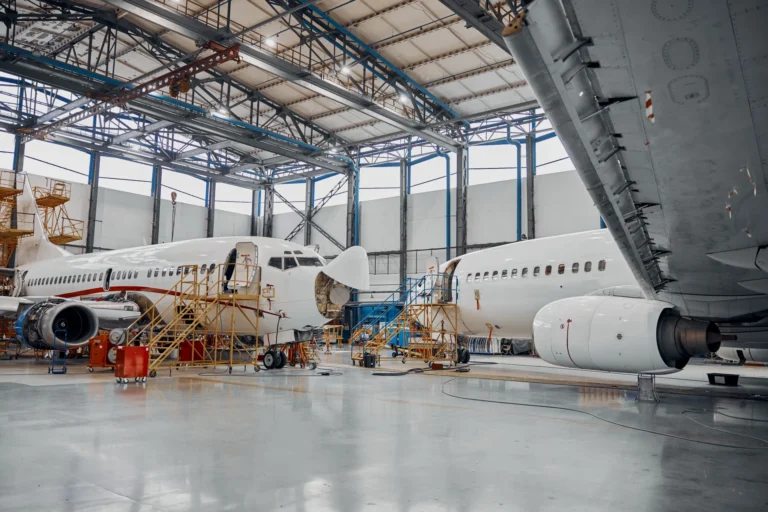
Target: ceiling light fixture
271, 42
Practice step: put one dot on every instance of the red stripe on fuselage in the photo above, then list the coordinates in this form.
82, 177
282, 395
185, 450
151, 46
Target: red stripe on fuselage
160, 291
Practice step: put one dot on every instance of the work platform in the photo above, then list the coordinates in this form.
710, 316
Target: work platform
51, 201
210, 317
14, 225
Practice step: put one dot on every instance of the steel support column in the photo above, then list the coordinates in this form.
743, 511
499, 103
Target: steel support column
157, 182
352, 206
255, 198
269, 211
93, 179
530, 173
18, 167
309, 204
461, 201
403, 219
210, 201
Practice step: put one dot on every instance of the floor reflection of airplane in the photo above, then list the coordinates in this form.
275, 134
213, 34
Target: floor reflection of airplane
57, 291
578, 298
661, 108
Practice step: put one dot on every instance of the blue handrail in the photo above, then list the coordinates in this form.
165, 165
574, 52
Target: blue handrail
410, 292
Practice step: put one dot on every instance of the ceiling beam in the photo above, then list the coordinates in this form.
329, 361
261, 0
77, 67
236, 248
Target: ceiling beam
267, 61
479, 19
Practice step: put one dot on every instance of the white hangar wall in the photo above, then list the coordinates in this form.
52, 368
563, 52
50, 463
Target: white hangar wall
562, 206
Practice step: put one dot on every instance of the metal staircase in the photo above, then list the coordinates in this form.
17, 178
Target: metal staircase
415, 297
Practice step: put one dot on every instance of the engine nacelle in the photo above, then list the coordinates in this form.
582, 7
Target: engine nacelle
620, 334
56, 325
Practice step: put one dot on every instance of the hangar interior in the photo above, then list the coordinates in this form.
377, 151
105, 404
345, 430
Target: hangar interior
405, 127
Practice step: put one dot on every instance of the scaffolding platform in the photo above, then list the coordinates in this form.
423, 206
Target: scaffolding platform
428, 321
13, 225
206, 319
11, 184
51, 201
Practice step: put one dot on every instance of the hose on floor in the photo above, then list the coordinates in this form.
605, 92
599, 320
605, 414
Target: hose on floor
460, 369
639, 429
276, 372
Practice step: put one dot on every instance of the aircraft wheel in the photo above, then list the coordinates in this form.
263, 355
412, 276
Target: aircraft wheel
270, 358
283, 359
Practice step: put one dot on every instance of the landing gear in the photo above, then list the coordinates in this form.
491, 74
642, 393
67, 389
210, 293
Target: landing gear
462, 355
270, 359
282, 360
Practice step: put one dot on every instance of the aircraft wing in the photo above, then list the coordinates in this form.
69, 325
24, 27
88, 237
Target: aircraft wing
10, 305
663, 109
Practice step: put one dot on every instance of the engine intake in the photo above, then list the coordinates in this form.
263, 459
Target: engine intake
56, 325
620, 334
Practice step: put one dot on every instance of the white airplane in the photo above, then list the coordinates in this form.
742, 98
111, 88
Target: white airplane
577, 298
59, 300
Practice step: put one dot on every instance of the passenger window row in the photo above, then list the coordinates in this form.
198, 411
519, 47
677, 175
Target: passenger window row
512, 274
117, 275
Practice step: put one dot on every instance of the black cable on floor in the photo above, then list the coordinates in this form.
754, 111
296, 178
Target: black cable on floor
277, 372
639, 429
460, 369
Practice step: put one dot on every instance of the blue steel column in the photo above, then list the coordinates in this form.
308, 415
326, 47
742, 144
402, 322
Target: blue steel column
210, 203
530, 173
157, 182
309, 203
404, 185
353, 205
93, 179
255, 199
447, 206
461, 201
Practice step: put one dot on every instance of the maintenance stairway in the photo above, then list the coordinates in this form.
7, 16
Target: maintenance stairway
206, 319
427, 318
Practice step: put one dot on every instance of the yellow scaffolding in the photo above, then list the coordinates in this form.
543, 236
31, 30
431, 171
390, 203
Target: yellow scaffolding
51, 201
13, 225
213, 319
433, 334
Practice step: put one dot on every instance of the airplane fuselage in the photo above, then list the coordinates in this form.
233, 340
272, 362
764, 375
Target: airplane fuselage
504, 287
153, 271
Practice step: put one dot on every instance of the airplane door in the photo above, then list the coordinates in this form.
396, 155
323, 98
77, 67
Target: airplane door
245, 270
18, 282
433, 265
107, 276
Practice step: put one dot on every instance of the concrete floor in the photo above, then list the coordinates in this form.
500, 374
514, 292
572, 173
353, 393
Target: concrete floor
278, 441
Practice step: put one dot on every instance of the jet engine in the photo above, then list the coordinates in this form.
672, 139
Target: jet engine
620, 334
56, 325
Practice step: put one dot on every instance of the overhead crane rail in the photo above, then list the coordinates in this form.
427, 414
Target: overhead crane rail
177, 81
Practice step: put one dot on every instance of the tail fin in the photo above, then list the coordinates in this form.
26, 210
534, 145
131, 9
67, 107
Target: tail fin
36, 247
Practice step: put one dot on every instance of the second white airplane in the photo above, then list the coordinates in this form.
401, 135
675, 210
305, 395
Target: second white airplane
576, 297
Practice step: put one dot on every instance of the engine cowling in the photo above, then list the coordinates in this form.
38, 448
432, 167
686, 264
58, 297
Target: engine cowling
56, 325
620, 334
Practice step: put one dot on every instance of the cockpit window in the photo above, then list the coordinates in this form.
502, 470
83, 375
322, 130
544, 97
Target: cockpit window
276, 262
290, 262
309, 262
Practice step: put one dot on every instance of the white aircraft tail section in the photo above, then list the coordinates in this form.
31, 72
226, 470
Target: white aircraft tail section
36, 247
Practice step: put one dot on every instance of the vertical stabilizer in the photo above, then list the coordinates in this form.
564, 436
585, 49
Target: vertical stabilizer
36, 247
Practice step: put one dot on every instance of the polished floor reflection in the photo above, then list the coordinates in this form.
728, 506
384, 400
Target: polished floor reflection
355, 442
